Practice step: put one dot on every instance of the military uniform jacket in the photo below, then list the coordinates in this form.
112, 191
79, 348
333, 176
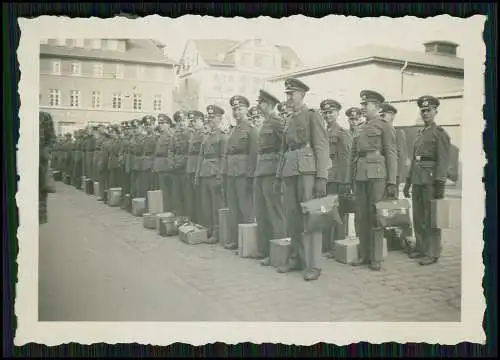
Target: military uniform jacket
137, 151
103, 159
305, 145
195, 142
430, 156
212, 154
148, 148
161, 161
125, 152
178, 150
269, 145
340, 153
374, 152
241, 151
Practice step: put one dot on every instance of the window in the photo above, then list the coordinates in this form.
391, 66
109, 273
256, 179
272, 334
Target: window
119, 71
97, 70
96, 44
137, 102
258, 60
158, 103
117, 101
79, 43
112, 45
60, 42
96, 99
56, 67
140, 71
54, 97
74, 98
76, 69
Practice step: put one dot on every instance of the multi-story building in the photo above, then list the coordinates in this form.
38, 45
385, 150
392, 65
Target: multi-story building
88, 81
210, 71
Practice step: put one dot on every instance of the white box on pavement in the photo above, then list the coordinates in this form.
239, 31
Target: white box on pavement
115, 196
155, 201
247, 240
97, 189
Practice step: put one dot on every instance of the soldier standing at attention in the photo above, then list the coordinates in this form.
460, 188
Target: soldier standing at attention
161, 165
256, 117
375, 167
239, 167
148, 151
339, 175
178, 153
193, 194
267, 202
114, 157
427, 177
140, 134
304, 169
208, 172
91, 145
67, 150
76, 173
132, 160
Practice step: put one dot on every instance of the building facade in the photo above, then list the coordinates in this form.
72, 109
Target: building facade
210, 71
92, 81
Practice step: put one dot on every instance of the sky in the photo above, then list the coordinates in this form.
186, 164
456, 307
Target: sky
315, 40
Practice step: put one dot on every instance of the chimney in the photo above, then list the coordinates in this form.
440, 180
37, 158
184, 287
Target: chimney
446, 48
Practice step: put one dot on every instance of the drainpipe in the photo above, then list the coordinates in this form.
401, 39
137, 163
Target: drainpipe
402, 75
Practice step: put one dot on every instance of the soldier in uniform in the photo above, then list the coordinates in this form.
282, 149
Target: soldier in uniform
267, 202
67, 149
76, 170
178, 153
427, 178
375, 168
339, 175
193, 194
114, 157
161, 163
140, 134
208, 172
304, 169
148, 153
239, 168
104, 162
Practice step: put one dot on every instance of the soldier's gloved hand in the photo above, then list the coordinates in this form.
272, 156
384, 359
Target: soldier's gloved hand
391, 191
406, 190
439, 189
277, 186
320, 188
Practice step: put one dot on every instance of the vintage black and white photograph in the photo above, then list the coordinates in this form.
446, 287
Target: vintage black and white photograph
251, 171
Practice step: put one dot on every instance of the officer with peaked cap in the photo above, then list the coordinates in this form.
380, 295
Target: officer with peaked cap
136, 159
209, 172
304, 169
178, 153
241, 159
114, 157
193, 194
148, 153
353, 115
103, 163
67, 150
161, 160
77, 164
268, 203
427, 178
339, 175
375, 169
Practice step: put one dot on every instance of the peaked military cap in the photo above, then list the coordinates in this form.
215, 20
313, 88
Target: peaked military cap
330, 104
371, 96
253, 112
178, 115
214, 110
195, 114
292, 84
265, 96
353, 112
427, 101
388, 108
238, 100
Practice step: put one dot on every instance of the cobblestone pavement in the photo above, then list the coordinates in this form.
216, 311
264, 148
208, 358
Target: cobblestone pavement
98, 263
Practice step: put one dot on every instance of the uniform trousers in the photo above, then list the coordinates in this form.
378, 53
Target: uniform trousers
145, 182
103, 182
339, 231
166, 189
77, 173
180, 188
305, 248
135, 183
269, 212
240, 204
193, 199
211, 200
125, 181
428, 240
114, 177
368, 193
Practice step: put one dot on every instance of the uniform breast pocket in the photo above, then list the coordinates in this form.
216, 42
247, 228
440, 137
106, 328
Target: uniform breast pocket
266, 137
301, 132
307, 161
373, 137
375, 169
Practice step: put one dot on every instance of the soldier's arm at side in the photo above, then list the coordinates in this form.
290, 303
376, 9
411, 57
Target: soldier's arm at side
320, 144
281, 163
345, 157
252, 152
443, 155
223, 143
200, 160
389, 145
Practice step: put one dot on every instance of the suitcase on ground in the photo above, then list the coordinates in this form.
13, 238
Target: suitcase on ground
138, 206
154, 201
279, 252
57, 175
192, 234
393, 213
127, 203
166, 224
224, 233
347, 204
446, 213
320, 214
346, 251
115, 196
149, 221
89, 186
247, 241
97, 189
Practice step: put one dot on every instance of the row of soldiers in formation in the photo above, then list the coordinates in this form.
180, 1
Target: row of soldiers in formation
278, 155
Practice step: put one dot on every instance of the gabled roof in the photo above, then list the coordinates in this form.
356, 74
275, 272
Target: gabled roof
370, 53
138, 51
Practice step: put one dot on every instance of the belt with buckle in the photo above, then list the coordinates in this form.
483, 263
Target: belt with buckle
424, 158
298, 146
267, 151
366, 153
